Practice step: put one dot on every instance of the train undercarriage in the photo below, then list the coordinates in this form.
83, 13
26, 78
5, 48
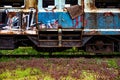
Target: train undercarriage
61, 39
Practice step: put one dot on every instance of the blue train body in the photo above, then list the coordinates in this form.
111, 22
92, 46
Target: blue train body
95, 22
98, 24
63, 19
103, 23
92, 25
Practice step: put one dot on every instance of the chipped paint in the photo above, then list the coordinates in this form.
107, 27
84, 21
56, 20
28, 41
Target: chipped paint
18, 32
30, 4
94, 18
91, 5
63, 18
100, 21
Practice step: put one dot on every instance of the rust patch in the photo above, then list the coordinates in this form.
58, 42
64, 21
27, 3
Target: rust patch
91, 6
92, 21
30, 4
119, 15
92, 33
82, 4
48, 44
109, 19
85, 23
108, 14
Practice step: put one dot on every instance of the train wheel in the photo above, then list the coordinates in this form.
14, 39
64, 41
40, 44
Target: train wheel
99, 45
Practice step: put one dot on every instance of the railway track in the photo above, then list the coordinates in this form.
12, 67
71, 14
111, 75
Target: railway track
61, 56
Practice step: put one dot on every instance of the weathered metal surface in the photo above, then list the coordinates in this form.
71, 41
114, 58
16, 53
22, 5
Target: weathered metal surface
55, 44
102, 23
104, 49
89, 6
48, 44
18, 32
100, 44
17, 22
16, 5
63, 18
59, 38
71, 44
30, 4
7, 42
48, 15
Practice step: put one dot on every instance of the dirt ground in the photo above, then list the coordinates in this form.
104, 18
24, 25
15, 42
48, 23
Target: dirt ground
76, 68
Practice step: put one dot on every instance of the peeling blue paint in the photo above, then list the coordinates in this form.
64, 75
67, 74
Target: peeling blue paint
63, 18
101, 21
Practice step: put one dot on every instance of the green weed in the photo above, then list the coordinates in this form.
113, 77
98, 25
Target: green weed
86, 75
19, 73
112, 63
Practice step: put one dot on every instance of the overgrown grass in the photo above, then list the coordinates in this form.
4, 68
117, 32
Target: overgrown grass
19, 51
5, 59
86, 75
31, 51
112, 63
35, 74
19, 74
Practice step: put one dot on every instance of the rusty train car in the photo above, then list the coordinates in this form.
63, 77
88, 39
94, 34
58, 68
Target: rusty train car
55, 25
